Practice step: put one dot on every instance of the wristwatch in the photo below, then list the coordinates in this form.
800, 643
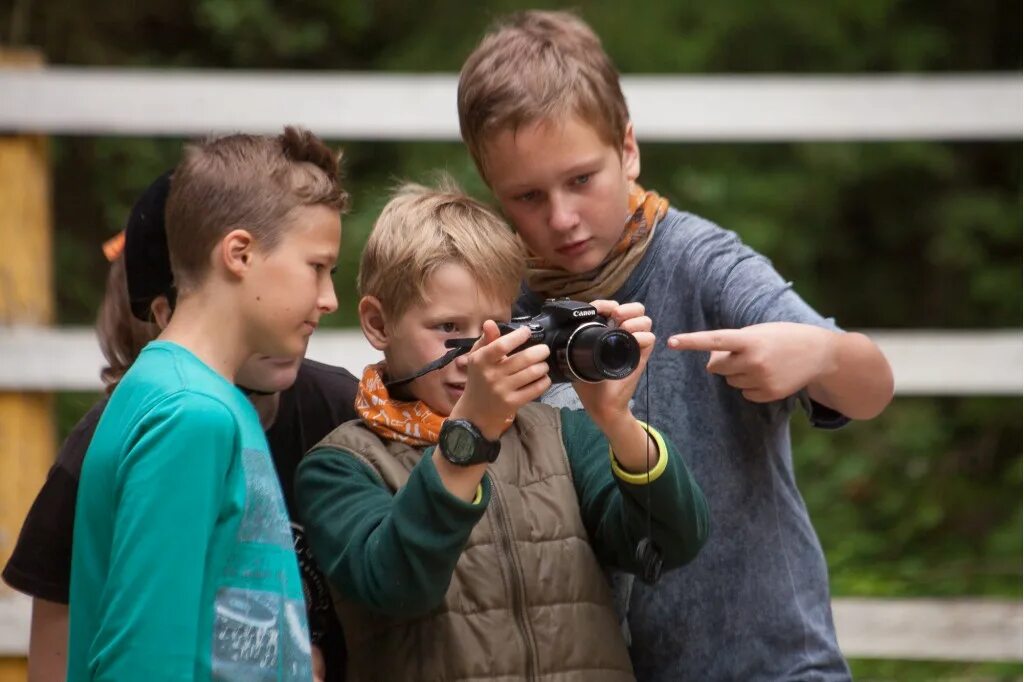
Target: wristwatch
462, 443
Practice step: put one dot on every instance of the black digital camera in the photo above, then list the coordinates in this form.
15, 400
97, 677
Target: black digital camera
582, 344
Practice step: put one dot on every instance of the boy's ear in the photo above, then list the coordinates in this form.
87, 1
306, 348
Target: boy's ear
236, 251
373, 322
630, 153
161, 311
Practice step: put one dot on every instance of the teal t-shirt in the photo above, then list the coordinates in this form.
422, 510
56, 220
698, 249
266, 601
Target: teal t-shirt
182, 560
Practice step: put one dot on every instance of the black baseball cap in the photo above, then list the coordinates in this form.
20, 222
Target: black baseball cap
147, 261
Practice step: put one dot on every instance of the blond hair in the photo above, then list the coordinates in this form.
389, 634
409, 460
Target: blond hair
121, 335
535, 66
253, 182
422, 229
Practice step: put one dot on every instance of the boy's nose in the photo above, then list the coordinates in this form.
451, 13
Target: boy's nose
563, 215
327, 301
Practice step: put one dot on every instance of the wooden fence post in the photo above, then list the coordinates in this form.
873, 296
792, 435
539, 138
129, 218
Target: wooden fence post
27, 430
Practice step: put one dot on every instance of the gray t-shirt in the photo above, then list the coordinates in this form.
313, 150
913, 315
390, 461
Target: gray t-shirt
754, 604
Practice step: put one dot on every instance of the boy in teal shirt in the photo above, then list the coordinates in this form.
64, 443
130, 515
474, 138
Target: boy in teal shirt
182, 561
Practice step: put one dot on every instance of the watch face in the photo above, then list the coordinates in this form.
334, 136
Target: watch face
460, 445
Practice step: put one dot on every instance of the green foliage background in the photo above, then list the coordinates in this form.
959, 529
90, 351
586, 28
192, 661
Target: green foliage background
925, 500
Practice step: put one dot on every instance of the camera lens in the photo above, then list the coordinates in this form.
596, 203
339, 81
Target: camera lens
595, 353
615, 351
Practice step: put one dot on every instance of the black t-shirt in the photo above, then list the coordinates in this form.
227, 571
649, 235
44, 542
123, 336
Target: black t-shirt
41, 563
321, 398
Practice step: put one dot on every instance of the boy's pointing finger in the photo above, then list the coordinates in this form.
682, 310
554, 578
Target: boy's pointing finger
731, 340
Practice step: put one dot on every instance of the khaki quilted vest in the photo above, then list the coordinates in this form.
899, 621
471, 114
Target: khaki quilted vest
528, 599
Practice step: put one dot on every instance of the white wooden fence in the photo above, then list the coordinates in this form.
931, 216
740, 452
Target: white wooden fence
924, 362
422, 107
910, 629
664, 108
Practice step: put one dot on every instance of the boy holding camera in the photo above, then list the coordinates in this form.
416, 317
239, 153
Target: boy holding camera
543, 115
461, 525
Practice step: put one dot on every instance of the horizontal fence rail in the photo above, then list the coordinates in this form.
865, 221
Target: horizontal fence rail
396, 106
15, 619
929, 629
911, 629
924, 362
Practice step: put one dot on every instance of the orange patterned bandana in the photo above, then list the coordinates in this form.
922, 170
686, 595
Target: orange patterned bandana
412, 422
114, 247
646, 209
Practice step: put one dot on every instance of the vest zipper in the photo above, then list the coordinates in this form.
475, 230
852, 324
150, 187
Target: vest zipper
505, 535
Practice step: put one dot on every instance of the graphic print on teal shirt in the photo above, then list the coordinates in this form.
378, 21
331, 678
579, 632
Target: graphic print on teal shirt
259, 634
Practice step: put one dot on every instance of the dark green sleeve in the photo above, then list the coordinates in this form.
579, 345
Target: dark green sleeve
393, 553
615, 512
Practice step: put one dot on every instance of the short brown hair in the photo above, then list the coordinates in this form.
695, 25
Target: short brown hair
244, 181
422, 229
535, 66
122, 336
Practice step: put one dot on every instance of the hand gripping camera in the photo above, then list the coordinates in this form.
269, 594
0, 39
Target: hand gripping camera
582, 344
584, 347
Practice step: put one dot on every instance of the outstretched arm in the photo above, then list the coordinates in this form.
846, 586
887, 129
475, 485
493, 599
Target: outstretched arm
620, 508
631, 485
845, 371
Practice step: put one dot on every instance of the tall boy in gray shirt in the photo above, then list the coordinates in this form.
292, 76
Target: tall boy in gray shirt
543, 115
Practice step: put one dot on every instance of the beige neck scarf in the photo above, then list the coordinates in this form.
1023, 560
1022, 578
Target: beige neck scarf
645, 210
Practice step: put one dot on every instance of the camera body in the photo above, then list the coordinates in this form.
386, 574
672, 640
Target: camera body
583, 346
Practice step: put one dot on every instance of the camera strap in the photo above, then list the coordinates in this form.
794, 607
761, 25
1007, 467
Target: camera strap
648, 554
458, 347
